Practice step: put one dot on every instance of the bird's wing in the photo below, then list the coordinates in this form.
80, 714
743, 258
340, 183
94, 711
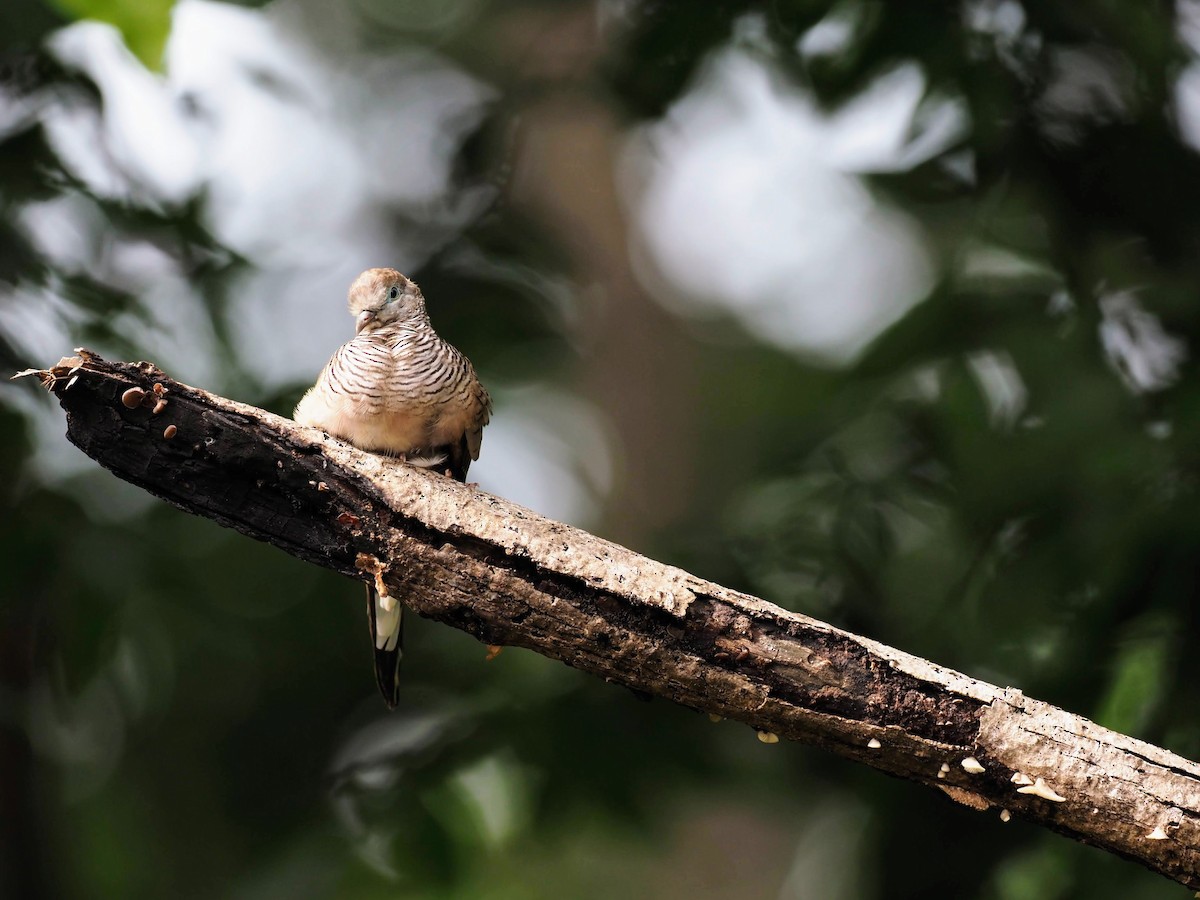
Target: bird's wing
483, 414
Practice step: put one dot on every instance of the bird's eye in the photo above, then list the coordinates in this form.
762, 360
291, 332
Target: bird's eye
393, 293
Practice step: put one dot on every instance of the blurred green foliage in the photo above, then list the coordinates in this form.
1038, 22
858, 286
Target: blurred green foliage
188, 713
143, 23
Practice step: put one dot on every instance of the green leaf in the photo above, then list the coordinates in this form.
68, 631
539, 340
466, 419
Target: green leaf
1139, 676
143, 23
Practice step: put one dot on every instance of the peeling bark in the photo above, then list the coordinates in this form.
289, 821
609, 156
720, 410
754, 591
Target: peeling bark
510, 577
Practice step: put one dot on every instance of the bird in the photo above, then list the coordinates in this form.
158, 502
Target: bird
396, 388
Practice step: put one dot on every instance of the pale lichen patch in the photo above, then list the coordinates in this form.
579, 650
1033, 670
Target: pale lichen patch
965, 797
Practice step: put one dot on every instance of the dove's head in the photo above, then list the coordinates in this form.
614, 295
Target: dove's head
381, 297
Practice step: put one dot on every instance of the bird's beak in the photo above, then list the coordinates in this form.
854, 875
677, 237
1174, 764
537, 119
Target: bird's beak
365, 318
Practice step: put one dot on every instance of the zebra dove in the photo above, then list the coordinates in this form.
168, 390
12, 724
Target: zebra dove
398, 389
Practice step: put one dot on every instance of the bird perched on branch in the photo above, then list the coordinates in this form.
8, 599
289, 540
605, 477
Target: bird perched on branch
399, 389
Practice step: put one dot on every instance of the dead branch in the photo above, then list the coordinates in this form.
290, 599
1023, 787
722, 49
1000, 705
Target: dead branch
508, 576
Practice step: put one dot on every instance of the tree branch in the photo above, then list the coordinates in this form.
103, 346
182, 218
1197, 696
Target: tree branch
509, 576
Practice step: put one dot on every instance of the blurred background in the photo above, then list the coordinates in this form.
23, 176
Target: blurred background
883, 312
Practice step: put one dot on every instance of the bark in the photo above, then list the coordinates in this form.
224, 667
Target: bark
510, 577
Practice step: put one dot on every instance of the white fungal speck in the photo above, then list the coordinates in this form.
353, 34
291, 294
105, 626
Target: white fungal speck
1005, 815
1157, 834
1021, 778
971, 764
1040, 789
874, 744
768, 737
944, 770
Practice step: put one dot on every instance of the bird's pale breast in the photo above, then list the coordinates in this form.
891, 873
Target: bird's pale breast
397, 391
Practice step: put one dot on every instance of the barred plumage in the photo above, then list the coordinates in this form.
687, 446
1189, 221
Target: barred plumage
398, 388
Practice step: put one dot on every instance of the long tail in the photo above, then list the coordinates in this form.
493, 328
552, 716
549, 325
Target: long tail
386, 615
